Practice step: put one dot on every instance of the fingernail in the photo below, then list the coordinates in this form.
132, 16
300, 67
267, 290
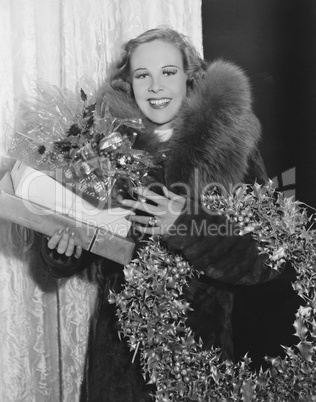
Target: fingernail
127, 217
72, 234
60, 231
66, 231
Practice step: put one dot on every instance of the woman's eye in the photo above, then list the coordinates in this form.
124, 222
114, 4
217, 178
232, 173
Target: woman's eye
141, 75
170, 71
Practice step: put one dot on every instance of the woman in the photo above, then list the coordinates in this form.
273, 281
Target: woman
200, 117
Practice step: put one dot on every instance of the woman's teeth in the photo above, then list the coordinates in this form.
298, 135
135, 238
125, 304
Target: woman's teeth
158, 102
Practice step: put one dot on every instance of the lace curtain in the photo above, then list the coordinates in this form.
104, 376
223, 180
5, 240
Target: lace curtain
44, 322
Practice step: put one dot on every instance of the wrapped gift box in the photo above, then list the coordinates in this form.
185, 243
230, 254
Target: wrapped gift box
38, 188
97, 239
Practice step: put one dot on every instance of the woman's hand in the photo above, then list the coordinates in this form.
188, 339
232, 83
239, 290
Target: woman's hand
64, 242
164, 213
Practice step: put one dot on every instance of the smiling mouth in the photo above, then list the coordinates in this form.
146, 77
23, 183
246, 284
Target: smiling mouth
159, 103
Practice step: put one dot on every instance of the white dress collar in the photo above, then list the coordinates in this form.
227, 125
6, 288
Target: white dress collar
164, 135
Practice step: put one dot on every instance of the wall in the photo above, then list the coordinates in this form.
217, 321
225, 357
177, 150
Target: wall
275, 42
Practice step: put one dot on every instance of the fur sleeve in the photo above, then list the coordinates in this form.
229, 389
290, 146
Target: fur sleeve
212, 244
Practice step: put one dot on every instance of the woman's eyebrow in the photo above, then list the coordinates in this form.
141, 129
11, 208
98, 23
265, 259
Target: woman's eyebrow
171, 65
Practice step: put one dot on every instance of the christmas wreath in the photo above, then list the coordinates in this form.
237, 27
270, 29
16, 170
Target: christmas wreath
152, 312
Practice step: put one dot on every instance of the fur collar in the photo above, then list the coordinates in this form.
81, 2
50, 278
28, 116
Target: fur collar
215, 130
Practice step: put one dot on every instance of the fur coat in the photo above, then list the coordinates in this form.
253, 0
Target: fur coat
215, 140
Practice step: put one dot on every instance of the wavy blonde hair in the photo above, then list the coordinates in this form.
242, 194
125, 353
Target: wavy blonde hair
120, 76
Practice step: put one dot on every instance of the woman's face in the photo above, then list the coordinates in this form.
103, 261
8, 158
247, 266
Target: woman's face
158, 81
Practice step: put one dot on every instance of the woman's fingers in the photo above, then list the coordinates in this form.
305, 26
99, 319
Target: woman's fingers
160, 200
151, 195
150, 221
144, 220
78, 252
64, 242
142, 206
54, 240
70, 247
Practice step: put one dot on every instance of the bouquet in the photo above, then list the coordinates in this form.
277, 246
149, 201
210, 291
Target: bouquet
61, 134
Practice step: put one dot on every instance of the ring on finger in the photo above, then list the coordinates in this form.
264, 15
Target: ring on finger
153, 221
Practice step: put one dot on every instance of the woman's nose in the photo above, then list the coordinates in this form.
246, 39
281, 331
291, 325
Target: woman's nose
155, 85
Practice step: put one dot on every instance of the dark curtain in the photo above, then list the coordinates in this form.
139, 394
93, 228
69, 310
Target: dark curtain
274, 41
